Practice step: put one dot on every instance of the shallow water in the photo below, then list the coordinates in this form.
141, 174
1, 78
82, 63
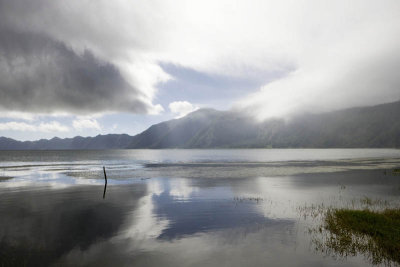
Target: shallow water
183, 207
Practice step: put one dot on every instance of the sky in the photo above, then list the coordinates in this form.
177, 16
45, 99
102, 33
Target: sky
89, 67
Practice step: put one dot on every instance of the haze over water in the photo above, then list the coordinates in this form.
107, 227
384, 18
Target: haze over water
183, 207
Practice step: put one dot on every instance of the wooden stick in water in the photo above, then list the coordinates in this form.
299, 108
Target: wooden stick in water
105, 184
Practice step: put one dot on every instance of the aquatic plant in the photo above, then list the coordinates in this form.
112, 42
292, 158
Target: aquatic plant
243, 199
371, 233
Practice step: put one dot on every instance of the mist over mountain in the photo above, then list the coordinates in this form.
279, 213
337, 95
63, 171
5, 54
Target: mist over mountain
375, 127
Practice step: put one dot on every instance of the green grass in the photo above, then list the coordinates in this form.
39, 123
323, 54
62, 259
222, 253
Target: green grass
374, 234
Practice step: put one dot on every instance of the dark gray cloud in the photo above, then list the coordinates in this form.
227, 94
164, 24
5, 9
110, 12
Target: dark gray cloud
40, 74
330, 58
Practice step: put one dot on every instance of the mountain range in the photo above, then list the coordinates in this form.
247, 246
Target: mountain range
375, 127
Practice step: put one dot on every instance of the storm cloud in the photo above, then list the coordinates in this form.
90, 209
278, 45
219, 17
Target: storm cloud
103, 56
41, 75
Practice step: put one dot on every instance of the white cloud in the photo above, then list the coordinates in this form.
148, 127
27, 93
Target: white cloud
181, 108
17, 126
53, 126
18, 115
157, 109
86, 123
344, 52
347, 55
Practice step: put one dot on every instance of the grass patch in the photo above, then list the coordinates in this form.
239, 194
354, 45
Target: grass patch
374, 234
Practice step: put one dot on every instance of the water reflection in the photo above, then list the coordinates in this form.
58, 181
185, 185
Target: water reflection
46, 225
192, 210
39, 226
57, 214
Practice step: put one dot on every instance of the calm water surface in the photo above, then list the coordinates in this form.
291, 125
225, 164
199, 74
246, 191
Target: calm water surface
183, 207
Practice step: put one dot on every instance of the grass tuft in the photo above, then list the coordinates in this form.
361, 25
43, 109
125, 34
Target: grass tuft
375, 234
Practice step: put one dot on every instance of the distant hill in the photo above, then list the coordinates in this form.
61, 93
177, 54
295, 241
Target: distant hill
376, 126
110, 141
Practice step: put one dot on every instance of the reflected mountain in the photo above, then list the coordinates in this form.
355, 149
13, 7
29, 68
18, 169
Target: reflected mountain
39, 226
43, 226
219, 210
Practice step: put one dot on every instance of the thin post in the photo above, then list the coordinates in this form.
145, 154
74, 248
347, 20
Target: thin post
105, 182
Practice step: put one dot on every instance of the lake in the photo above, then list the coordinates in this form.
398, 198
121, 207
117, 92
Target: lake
235, 207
